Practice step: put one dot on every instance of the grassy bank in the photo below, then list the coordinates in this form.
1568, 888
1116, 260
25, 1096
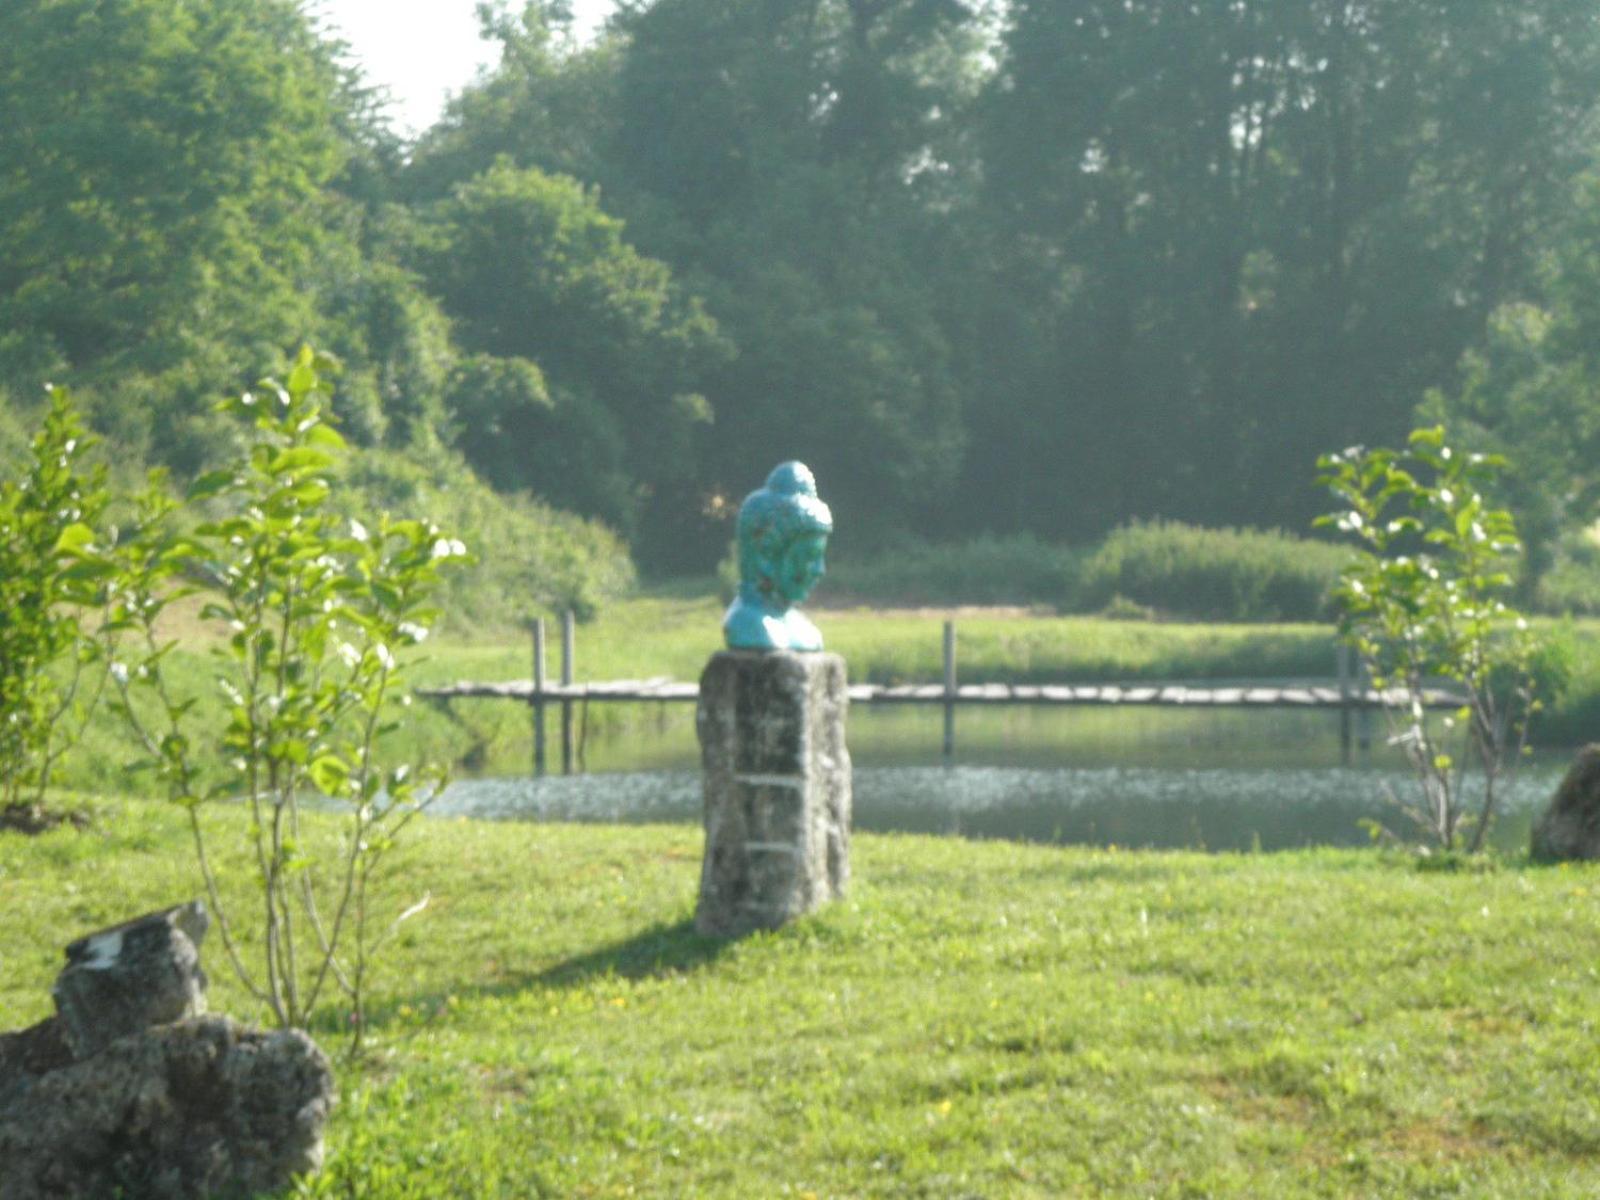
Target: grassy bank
672, 633
976, 1019
675, 634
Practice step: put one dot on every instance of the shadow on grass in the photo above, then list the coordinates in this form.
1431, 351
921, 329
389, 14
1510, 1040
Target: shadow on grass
663, 949
660, 950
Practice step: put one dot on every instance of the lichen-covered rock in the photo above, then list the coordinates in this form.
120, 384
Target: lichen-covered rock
777, 788
1570, 827
200, 1108
141, 973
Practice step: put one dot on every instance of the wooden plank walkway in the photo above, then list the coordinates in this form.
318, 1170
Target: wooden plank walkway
664, 689
1344, 694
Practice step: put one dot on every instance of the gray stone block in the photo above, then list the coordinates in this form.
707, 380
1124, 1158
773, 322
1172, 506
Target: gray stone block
128, 1091
127, 978
200, 1108
777, 788
1570, 827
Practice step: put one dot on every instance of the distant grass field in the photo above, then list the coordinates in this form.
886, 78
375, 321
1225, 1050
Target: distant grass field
975, 1019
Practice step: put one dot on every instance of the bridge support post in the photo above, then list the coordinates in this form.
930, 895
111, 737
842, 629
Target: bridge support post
1342, 669
949, 690
569, 640
538, 696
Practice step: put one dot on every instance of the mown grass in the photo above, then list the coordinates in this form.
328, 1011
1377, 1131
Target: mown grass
976, 1019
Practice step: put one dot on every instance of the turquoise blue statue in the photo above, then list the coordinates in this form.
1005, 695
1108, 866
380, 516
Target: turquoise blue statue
783, 539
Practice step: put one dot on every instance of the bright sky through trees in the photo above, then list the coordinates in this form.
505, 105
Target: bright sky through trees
423, 51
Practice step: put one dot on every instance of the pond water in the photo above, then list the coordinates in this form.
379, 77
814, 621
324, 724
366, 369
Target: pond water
1134, 777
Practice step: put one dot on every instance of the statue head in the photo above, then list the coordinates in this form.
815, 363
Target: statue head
783, 536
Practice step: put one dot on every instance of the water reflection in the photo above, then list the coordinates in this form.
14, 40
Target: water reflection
1225, 780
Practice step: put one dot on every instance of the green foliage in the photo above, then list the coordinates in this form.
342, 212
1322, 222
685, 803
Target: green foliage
535, 557
531, 268
162, 170
1030, 267
1227, 240
318, 608
550, 104
1015, 570
1571, 585
395, 347
797, 159
1213, 574
1424, 601
48, 683
1527, 389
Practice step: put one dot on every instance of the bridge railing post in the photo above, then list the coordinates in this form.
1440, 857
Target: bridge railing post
1342, 669
538, 696
949, 690
569, 639
1364, 713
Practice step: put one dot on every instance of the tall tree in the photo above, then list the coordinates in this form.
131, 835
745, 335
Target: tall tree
162, 165
549, 103
792, 158
530, 268
1267, 227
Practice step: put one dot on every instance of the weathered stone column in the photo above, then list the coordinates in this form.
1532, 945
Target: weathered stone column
777, 788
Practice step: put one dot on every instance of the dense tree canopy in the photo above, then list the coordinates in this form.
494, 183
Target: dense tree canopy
1040, 265
162, 166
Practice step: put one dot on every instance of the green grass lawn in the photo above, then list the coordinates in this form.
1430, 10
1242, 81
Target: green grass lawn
976, 1019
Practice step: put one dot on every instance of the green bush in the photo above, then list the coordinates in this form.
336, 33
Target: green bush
529, 556
1018, 569
1571, 587
1423, 599
317, 604
1213, 574
50, 510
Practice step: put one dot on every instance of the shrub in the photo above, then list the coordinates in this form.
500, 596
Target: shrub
1424, 600
1571, 586
1018, 569
318, 607
533, 556
45, 516
1214, 574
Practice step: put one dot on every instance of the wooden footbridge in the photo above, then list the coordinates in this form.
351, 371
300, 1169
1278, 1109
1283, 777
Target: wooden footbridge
1342, 693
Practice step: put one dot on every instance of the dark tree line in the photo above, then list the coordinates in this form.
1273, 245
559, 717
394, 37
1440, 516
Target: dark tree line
1043, 266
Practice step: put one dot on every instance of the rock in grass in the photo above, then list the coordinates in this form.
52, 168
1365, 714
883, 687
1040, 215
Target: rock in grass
203, 1107
129, 1091
141, 973
1570, 827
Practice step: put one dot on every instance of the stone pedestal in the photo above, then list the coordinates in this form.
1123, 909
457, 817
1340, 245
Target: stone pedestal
777, 788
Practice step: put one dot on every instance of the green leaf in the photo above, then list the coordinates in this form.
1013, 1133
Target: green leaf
74, 539
325, 436
211, 483
298, 459
330, 774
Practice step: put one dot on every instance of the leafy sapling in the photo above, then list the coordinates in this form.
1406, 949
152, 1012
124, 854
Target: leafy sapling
1424, 604
319, 612
49, 678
